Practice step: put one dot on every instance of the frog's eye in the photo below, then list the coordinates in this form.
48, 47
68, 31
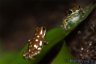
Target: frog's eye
70, 12
44, 28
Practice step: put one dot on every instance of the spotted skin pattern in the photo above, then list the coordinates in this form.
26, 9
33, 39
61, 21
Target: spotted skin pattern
35, 44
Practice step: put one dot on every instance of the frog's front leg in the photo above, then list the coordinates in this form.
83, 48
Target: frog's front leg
45, 42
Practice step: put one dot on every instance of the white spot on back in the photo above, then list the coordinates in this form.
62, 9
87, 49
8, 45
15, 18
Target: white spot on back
35, 46
39, 48
41, 32
36, 40
29, 50
40, 43
38, 36
35, 53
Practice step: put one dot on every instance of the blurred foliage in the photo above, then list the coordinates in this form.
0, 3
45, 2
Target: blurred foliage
64, 56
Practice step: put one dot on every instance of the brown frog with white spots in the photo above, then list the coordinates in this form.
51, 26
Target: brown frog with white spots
35, 44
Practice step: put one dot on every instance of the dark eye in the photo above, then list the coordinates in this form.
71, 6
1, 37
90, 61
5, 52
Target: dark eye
69, 12
44, 28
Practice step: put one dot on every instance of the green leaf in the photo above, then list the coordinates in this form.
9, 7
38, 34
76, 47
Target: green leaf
64, 56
